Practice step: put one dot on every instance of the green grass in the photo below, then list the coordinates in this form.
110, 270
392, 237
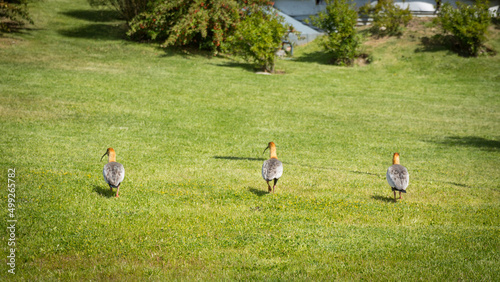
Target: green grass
190, 131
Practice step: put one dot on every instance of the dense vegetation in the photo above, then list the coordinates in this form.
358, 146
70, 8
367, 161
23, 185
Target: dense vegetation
342, 40
128, 9
468, 24
244, 27
388, 18
13, 14
258, 36
190, 130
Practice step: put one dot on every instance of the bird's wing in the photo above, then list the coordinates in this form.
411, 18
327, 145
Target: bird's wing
404, 178
105, 173
279, 169
114, 173
388, 175
121, 172
265, 169
398, 177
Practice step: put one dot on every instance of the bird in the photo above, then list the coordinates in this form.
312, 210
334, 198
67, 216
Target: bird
113, 172
397, 176
272, 169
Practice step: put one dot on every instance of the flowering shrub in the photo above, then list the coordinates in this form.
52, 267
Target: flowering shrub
205, 23
467, 23
339, 22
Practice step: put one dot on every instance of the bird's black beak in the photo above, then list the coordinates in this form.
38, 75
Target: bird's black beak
265, 149
104, 155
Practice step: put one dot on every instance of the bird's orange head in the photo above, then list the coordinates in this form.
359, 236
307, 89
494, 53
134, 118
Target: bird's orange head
395, 158
111, 155
272, 149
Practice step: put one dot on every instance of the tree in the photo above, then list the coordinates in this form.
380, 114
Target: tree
339, 22
258, 36
205, 23
13, 14
388, 18
467, 23
128, 9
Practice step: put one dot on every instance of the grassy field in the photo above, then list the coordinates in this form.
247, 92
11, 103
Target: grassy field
190, 130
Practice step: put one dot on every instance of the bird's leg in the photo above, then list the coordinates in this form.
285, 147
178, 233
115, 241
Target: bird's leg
395, 196
400, 195
274, 186
117, 189
110, 188
268, 187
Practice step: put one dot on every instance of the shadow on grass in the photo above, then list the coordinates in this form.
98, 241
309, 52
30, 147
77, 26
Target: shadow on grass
319, 57
471, 141
496, 22
97, 31
103, 24
94, 15
441, 42
257, 192
245, 66
364, 172
457, 184
16, 28
435, 43
383, 198
104, 192
237, 158
324, 58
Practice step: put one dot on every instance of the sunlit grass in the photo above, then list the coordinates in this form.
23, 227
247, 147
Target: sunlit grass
190, 131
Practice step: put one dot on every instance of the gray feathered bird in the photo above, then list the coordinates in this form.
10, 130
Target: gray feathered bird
113, 172
397, 176
272, 169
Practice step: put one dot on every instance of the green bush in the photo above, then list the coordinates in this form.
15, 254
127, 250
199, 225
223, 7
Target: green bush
388, 18
129, 9
468, 24
205, 23
13, 13
180, 22
258, 36
338, 21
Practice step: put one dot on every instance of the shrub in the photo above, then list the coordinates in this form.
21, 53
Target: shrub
205, 23
388, 18
13, 13
180, 22
258, 36
129, 9
339, 22
468, 24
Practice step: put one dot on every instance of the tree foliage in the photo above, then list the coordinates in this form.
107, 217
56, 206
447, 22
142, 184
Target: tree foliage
258, 36
339, 23
467, 23
128, 9
206, 23
246, 27
388, 18
13, 13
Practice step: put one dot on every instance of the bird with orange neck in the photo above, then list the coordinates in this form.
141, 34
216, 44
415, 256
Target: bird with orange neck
113, 172
397, 176
272, 169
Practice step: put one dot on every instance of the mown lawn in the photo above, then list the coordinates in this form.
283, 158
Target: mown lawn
190, 130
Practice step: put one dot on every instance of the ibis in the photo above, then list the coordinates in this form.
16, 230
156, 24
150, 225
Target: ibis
272, 169
113, 172
397, 176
